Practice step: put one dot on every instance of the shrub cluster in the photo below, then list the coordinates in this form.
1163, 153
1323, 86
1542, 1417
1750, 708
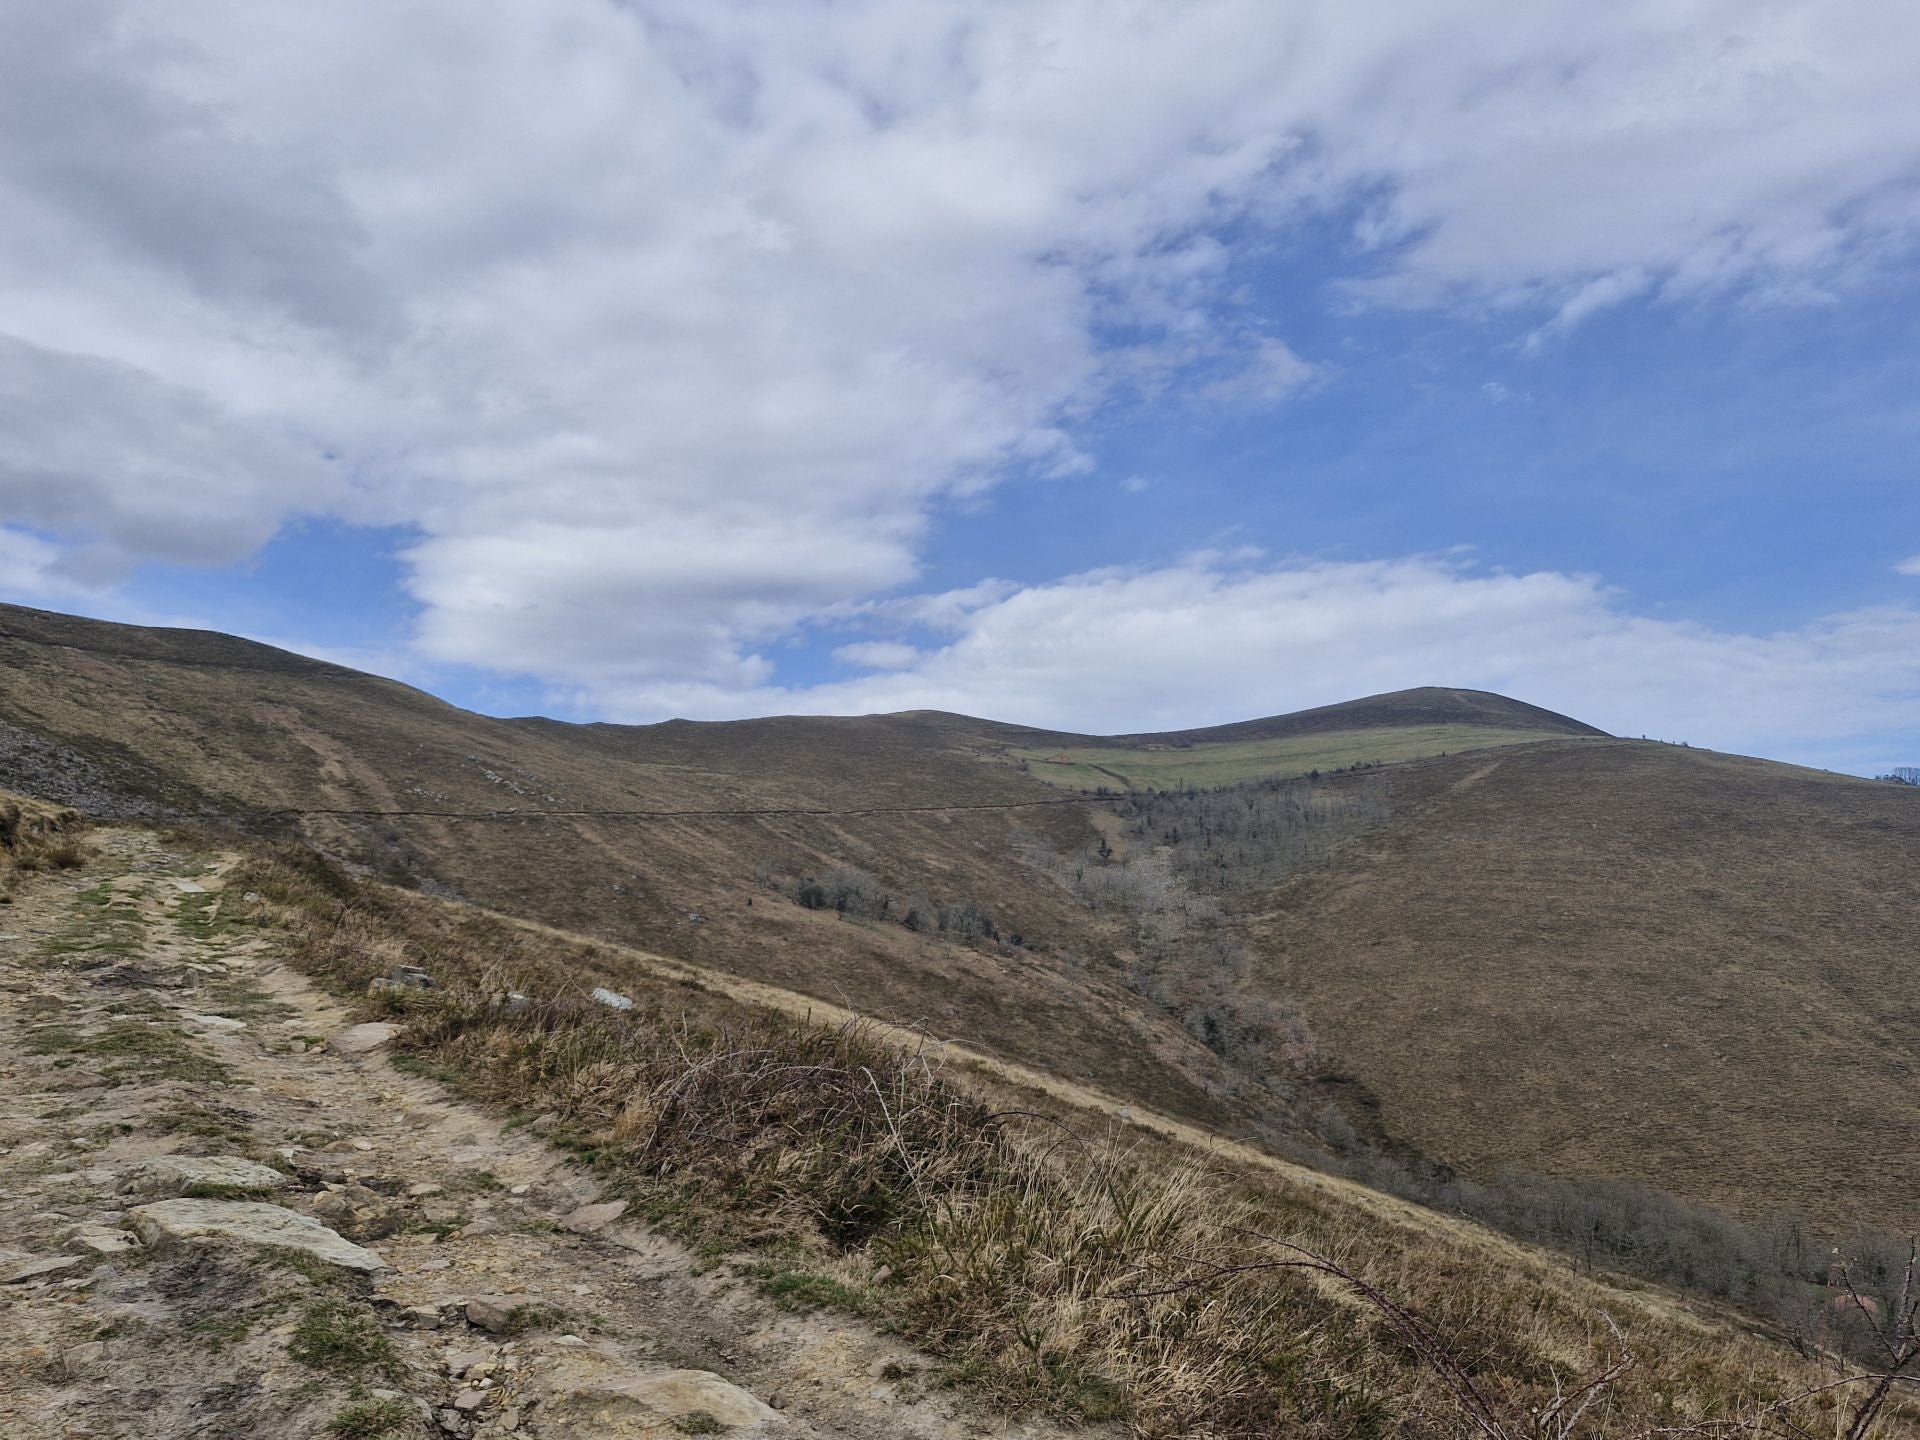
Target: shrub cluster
853, 892
34, 839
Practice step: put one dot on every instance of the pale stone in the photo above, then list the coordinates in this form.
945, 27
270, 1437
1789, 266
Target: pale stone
84, 1361
612, 998
177, 1174
494, 1312
592, 1395
100, 1240
359, 1039
218, 1022
589, 1218
175, 1222
461, 1361
23, 1270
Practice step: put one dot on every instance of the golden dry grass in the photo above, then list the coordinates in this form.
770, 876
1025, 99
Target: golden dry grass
1050, 1261
1630, 960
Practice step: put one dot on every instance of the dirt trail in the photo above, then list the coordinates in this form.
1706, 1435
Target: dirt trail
135, 1023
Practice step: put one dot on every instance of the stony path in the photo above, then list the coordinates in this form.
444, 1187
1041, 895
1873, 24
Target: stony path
148, 1051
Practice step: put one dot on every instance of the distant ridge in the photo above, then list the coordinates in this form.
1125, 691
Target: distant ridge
1547, 949
1425, 705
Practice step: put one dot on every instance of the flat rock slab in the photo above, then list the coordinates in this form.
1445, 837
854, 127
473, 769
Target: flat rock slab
593, 1397
177, 1174
168, 1223
359, 1039
218, 1022
589, 1218
101, 1240
495, 1312
23, 1270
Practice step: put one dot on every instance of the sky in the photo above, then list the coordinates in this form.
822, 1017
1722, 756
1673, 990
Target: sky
1107, 366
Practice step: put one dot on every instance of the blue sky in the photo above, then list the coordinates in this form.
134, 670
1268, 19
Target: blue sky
1089, 365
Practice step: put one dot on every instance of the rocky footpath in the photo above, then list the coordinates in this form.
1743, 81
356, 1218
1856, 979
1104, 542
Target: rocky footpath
224, 1213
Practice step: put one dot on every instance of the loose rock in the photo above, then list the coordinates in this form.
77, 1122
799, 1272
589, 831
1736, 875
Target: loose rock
84, 1361
177, 1174
494, 1312
21, 1271
168, 1223
595, 1396
589, 1218
101, 1240
360, 1039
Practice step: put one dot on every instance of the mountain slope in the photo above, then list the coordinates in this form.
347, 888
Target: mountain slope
1631, 960
1559, 951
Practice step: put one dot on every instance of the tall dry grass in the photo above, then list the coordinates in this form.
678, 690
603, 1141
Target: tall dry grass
1043, 1260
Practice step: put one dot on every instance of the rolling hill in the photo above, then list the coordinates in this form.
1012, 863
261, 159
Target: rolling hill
1504, 940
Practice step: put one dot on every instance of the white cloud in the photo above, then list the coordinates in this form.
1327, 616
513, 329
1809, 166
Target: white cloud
1209, 640
1266, 374
30, 567
670, 326
878, 655
1908, 566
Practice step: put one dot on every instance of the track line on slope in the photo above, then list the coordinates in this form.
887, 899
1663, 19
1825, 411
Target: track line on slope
690, 814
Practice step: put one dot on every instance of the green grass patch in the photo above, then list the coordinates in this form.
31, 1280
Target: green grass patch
523, 1319
202, 917
1095, 767
339, 1336
188, 1118
141, 1052
53, 1040
225, 1329
375, 1420
133, 1049
699, 1422
801, 1290
320, 1273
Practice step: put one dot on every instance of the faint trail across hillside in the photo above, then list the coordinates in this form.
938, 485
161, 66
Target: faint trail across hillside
742, 814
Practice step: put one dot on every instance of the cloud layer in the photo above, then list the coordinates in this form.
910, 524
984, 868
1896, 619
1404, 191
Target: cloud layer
1232, 637
670, 328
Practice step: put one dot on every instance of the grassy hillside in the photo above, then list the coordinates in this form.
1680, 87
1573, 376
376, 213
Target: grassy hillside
1040, 1253
1230, 762
665, 836
1630, 959
1577, 955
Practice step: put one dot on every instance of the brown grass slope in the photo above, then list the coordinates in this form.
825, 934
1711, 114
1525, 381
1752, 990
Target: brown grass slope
122, 720
1047, 1257
1589, 957
1631, 960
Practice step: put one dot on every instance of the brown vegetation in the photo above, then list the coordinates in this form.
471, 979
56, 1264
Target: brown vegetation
1039, 1256
1595, 958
